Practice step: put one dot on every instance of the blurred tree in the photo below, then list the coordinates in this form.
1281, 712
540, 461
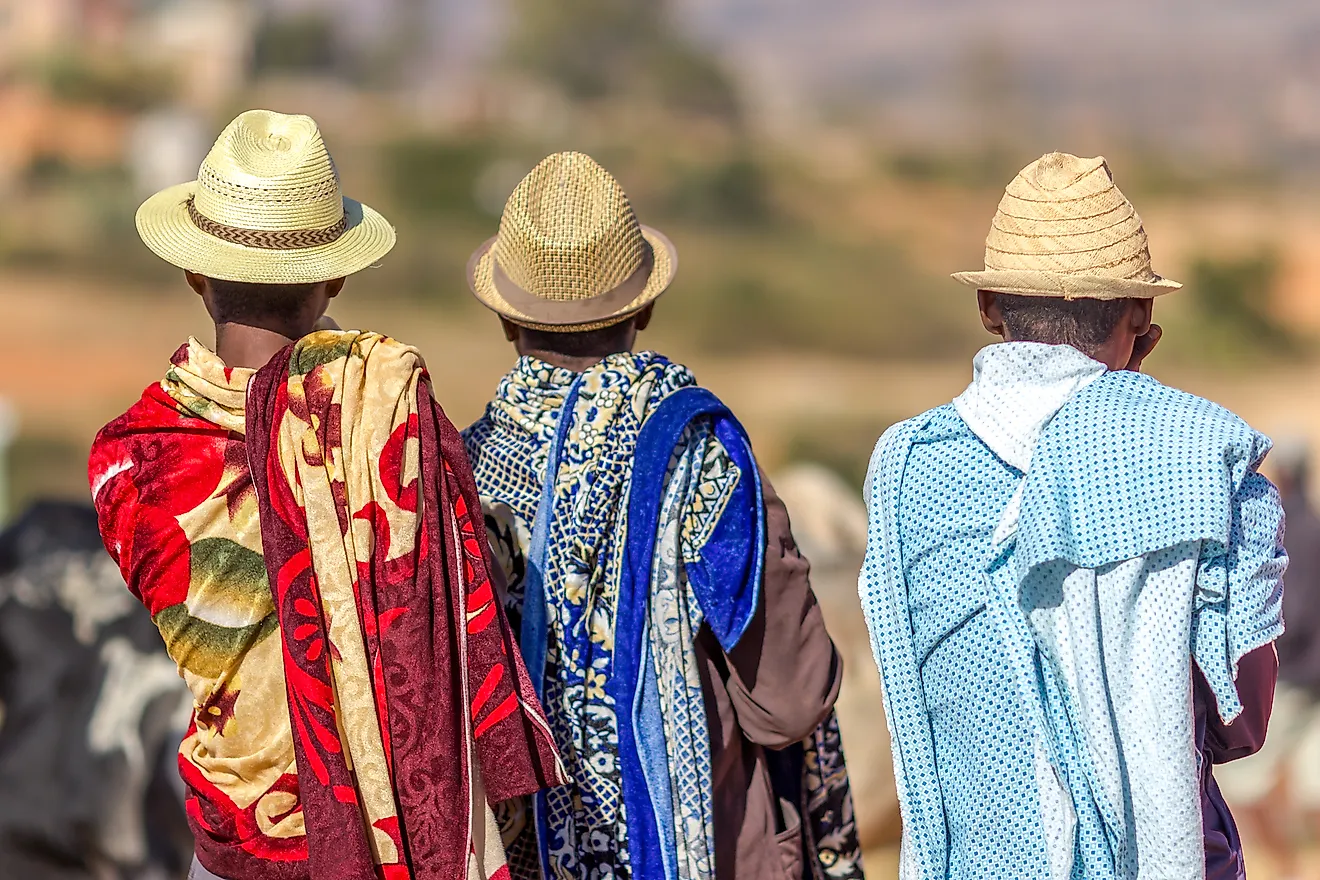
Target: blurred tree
118, 84
619, 48
430, 177
1233, 298
305, 42
734, 191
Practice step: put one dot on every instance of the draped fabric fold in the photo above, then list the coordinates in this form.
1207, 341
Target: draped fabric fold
410, 706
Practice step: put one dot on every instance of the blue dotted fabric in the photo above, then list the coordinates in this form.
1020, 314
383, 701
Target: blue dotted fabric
954, 490
1130, 467
1127, 469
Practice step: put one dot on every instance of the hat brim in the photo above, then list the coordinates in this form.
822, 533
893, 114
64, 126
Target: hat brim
1057, 284
481, 282
166, 228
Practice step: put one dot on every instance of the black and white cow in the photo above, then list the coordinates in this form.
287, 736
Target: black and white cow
91, 713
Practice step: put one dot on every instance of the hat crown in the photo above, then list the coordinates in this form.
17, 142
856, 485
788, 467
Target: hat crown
1056, 172
269, 171
568, 231
1064, 215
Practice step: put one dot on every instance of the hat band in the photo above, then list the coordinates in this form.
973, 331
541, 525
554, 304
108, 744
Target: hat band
268, 239
574, 311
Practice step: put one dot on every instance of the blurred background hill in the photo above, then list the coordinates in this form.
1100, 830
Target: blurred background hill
822, 166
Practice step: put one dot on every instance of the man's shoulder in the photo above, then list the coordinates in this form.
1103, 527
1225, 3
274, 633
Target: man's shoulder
934, 424
889, 453
127, 437
1126, 411
153, 409
1142, 399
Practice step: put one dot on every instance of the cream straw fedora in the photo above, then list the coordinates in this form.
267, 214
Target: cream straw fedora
266, 208
570, 254
1064, 229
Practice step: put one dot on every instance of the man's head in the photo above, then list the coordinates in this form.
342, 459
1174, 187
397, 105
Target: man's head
266, 208
571, 254
290, 310
1067, 262
1116, 332
577, 349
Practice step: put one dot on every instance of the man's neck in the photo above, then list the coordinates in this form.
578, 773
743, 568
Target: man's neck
239, 345
577, 364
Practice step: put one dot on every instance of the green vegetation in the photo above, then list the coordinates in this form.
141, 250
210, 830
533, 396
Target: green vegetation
117, 84
735, 192
434, 178
622, 49
1232, 314
799, 290
989, 169
301, 43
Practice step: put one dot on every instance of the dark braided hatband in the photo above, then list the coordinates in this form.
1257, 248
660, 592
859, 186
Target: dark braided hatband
271, 240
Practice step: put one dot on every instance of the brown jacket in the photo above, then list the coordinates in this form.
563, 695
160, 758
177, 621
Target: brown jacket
770, 692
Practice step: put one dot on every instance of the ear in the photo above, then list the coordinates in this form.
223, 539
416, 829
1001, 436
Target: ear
333, 288
643, 318
1141, 315
199, 283
992, 319
511, 330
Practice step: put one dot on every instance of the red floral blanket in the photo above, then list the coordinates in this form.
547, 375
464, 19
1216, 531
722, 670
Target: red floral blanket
359, 700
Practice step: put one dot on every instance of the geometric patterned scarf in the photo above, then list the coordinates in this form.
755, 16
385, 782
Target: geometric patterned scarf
586, 823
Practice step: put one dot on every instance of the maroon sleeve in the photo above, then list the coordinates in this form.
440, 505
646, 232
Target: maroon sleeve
784, 675
1257, 673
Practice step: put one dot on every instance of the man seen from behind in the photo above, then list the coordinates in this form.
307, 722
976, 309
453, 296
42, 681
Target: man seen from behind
1073, 579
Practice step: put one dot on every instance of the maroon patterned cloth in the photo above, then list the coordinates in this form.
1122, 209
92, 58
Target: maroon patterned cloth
366, 494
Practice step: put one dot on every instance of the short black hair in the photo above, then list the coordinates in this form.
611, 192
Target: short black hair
236, 302
577, 343
1085, 324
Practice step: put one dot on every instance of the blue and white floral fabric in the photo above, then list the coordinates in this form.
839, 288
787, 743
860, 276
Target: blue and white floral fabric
1095, 531
587, 823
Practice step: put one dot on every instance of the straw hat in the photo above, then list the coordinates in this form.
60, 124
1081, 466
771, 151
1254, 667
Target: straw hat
1064, 229
570, 254
266, 208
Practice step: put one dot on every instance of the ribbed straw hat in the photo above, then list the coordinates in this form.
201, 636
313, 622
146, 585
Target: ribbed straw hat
1064, 229
570, 254
266, 208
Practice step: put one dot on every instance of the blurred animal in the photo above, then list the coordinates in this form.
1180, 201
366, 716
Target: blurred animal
91, 713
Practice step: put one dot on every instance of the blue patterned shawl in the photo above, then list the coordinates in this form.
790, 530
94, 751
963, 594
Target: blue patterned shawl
653, 525
622, 721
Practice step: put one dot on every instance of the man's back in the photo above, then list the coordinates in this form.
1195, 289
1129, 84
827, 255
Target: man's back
954, 490
723, 713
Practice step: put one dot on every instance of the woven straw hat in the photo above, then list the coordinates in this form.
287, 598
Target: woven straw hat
266, 208
570, 254
1064, 229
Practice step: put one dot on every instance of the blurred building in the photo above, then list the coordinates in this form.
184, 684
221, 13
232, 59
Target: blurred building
32, 28
206, 45
76, 76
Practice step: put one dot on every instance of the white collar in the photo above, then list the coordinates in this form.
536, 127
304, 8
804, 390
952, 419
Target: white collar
1016, 389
